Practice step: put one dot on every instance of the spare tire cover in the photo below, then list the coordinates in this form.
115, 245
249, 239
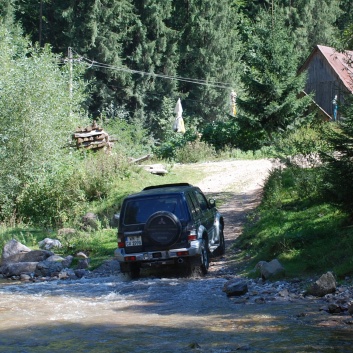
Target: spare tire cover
163, 228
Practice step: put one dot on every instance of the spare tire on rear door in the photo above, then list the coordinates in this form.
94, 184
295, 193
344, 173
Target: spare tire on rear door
163, 228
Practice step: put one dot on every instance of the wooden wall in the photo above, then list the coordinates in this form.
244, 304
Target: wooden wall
325, 83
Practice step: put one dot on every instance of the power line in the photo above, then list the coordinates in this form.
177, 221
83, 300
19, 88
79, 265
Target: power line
93, 63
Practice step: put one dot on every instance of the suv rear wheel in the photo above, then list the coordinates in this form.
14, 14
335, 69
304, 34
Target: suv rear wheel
205, 257
134, 270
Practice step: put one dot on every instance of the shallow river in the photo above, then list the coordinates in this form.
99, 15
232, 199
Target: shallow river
170, 314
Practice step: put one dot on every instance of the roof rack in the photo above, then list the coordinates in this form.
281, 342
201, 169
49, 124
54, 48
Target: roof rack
166, 186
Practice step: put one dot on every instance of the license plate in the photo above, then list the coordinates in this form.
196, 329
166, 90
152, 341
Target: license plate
133, 240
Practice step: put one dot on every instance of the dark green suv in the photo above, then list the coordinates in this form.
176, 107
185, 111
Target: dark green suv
172, 224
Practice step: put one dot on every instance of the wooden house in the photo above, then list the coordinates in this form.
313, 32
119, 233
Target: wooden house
330, 76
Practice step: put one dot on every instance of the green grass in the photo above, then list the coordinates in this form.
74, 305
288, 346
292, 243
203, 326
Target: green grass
99, 245
307, 235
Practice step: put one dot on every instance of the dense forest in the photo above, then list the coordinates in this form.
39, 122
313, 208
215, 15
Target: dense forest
125, 63
141, 56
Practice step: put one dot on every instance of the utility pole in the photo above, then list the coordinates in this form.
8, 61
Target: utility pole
69, 54
40, 22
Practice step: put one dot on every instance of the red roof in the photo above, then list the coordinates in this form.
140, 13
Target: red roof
342, 64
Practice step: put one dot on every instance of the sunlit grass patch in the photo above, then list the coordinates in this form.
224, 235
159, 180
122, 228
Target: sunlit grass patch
306, 235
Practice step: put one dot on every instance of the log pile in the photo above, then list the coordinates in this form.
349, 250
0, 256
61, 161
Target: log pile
92, 138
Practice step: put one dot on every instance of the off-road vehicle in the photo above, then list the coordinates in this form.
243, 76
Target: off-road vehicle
171, 224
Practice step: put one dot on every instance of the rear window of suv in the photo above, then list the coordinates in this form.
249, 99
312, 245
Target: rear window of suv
139, 211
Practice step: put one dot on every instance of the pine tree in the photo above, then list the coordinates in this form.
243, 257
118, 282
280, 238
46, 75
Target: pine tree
338, 162
317, 24
209, 54
100, 30
312, 21
153, 51
272, 104
345, 24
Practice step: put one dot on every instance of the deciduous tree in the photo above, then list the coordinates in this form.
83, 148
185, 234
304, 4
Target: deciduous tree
37, 115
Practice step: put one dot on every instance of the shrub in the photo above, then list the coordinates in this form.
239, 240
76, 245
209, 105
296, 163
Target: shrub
195, 151
62, 197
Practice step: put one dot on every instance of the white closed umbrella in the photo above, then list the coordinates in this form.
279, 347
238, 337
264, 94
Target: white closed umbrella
178, 125
178, 109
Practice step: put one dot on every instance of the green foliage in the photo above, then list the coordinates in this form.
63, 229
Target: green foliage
304, 142
272, 104
338, 166
221, 134
237, 132
37, 116
130, 137
162, 121
311, 22
209, 51
195, 151
154, 50
21, 233
173, 141
236, 153
98, 29
315, 22
167, 149
7, 12
95, 244
61, 198
295, 226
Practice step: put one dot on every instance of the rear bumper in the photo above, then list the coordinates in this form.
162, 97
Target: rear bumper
162, 256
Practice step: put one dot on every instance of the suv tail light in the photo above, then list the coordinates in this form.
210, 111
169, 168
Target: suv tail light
191, 231
121, 243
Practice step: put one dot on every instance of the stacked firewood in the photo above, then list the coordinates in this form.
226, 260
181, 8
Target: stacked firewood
92, 138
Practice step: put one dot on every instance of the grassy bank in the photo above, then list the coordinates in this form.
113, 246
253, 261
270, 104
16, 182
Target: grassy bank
292, 224
99, 244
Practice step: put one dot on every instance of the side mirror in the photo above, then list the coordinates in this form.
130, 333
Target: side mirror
212, 203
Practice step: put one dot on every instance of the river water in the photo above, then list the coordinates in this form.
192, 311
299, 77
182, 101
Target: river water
167, 314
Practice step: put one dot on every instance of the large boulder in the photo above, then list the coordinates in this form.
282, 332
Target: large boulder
90, 221
235, 287
272, 269
48, 244
326, 284
67, 261
48, 268
18, 268
30, 256
83, 264
11, 248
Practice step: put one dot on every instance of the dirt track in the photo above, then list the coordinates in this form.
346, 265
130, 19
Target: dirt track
240, 184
